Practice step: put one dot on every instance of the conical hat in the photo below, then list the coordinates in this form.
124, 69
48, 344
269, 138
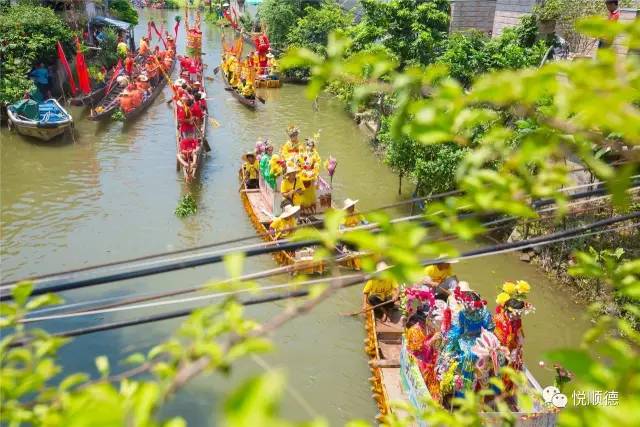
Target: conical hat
289, 210
348, 203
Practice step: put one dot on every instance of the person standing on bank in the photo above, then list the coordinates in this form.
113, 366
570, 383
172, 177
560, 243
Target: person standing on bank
40, 76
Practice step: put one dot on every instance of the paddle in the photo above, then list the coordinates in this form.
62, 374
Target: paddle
205, 143
369, 308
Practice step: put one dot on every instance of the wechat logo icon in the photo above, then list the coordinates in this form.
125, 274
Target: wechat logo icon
552, 395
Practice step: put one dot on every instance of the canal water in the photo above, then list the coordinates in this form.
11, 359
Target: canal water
110, 193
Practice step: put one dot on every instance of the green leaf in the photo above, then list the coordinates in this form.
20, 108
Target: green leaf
234, 263
102, 363
72, 381
135, 359
21, 292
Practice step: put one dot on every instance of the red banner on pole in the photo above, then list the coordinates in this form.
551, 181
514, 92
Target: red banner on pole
116, 72
82, 70
67, 68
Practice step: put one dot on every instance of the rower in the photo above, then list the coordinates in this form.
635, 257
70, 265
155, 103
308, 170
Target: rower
171, 43
285, 223
352, 218
308, 199
185, 118
196, 111
291, 187
187, 147
143, 83
246, 89
144, 46
125, 101
250, 170
378, 291
129, 64
201, 102
437, 275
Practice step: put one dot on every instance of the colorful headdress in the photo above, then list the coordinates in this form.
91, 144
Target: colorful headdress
513, 296
470, 299
418, 298
292, 130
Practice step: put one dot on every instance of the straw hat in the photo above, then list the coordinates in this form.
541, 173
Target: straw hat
381, 266
289, 210
270, 55
464, 286
143, 78
180, 82
348, 203
246, 155
292, 169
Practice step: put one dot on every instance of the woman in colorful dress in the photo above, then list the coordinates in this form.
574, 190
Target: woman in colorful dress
458, 361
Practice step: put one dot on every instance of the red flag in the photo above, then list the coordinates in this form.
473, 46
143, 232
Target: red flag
83, 72
153, 25
67, 68
116, 72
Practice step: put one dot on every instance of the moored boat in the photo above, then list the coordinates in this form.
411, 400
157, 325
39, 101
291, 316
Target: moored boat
44, 120
107, 105
411, 367
267, 83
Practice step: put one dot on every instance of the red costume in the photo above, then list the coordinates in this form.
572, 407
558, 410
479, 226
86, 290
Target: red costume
187, 145
185, 119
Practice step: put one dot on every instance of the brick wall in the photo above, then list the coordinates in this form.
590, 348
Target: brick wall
509, 12
472, 14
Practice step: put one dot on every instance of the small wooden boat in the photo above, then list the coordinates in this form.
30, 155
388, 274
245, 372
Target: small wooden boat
155, 91
267, 83
397, 377
249, 103
259, 204
44, 120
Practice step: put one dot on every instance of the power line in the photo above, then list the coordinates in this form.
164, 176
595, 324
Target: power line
358, 278
62, 282
42, 279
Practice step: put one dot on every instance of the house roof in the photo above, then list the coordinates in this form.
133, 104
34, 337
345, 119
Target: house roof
112, 22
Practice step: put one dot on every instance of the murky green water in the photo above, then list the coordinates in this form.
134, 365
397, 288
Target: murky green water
110, 195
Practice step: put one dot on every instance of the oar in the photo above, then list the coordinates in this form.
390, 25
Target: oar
216, 70
260, 99
369, 308
205, 143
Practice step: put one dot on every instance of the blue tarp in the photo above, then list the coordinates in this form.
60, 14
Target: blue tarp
103, 20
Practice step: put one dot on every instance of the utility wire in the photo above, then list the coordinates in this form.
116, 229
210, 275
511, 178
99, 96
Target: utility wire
118, 301
43, 279
64, 282
359, 278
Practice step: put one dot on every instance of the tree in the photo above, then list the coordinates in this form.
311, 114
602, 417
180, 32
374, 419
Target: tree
28, 34
411, 29
312, 30
279, 17
123, 10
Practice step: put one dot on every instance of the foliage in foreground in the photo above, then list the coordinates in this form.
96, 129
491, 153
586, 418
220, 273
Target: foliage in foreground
499, 177
28, 35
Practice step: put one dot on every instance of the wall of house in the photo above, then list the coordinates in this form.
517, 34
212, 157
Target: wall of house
509, 12
472, 14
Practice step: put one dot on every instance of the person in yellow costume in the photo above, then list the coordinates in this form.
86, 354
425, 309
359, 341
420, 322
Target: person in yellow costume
291, 148
250, 170
352, 218
246, 89
380, 290
292, 187
285, 223
308, 197
311, 155
437, 274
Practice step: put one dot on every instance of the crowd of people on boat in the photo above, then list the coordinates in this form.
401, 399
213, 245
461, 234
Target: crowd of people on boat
191, 110
456, 342
143, 71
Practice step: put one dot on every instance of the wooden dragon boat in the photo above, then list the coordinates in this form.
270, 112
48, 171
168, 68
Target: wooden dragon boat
44, 120
249, 103
188, 171
396, 377
107, 105
155, 91
259, 204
